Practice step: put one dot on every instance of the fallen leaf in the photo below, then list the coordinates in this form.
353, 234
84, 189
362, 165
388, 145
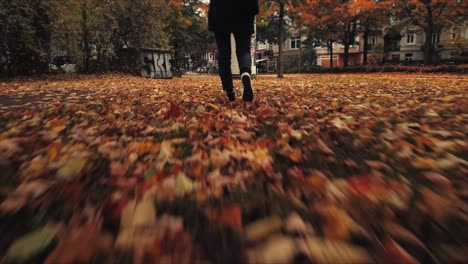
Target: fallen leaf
174, 111
183, 185
219, 158
294, 154
338, 123
337, 225
165, 153
323, 147
31, 244
277, 249
228, 215
397, 253
318, 181
137, 223
71, 169
80, 244
215, 107
262, 228
335, 252
200, 109
8, 147
398, 232
295, 224
138, 214
33, 188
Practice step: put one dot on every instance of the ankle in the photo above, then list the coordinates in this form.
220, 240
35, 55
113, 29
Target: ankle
245, 74
231, 95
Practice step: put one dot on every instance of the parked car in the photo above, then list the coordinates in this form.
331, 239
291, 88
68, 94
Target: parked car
209, 69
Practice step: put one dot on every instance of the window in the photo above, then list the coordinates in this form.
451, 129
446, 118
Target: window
394, 45
295, 42
408, 56
453, 56
411, 38
454, 35
435, 39
372, 40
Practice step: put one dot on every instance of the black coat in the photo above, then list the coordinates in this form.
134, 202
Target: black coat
232, 15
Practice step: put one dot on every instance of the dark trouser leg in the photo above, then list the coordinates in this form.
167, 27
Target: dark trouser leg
223, 41
243, 51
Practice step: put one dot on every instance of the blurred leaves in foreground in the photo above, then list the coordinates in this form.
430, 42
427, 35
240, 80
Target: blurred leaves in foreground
319, 169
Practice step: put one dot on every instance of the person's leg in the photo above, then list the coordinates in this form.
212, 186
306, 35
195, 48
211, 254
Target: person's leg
244, 59
223, 41
243, 51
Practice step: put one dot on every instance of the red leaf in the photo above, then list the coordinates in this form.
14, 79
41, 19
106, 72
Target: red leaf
174, 111
360, 183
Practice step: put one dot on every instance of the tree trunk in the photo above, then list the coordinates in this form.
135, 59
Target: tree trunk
365, 38
280, 41
84, 16
345, 55
330, 48
348, 40
7, 62
428, 46
300, 57
428, 40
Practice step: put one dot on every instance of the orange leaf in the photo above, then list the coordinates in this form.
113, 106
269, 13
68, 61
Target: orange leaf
229, 216
294, 154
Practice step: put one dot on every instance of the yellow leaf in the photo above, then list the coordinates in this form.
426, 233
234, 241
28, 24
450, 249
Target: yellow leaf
262, 228
277, 249
294, 154
323, 147
184, 185
448, 98
215, 107
166, 150
424, 163
138, 214
260, 159
71, 169
28, 246
58, 128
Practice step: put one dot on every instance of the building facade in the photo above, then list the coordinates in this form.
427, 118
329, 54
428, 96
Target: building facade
405, 47
267, 54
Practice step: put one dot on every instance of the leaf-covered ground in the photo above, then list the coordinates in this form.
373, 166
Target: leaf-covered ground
319, 169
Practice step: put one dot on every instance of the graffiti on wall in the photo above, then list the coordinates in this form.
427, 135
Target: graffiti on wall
156, 65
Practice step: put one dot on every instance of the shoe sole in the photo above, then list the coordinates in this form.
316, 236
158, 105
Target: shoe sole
247, 95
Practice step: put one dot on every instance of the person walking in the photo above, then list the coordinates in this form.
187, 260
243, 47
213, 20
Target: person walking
236, 17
